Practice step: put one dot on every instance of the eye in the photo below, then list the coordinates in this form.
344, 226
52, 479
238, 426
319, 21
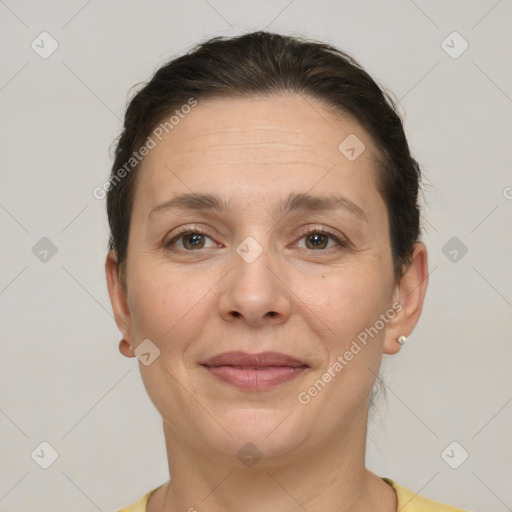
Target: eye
318, 239
188, 239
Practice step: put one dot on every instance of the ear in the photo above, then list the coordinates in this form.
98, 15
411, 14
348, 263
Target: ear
409, 293
118, 298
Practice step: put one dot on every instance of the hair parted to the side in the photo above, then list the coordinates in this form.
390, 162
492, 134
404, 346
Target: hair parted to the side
263, 63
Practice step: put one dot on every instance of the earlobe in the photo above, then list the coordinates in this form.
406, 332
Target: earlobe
126, 349
410, 289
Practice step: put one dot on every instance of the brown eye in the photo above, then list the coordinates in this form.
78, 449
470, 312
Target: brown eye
188, 241
317, 241
193, 241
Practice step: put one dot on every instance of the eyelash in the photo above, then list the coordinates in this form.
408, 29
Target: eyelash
311, 230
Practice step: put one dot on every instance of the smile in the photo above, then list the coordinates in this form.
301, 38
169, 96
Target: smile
254, 372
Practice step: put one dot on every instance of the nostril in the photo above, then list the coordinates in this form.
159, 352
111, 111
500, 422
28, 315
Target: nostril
270, 313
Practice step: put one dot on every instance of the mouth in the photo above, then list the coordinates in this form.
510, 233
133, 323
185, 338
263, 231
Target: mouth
254, 372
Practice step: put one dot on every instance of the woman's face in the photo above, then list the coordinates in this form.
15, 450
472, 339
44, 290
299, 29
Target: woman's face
249, 278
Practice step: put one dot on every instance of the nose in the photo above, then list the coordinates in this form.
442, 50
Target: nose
255, 291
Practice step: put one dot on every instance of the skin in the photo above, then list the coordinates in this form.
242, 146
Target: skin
196, 304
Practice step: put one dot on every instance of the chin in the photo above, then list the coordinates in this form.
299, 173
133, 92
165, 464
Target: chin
266, 432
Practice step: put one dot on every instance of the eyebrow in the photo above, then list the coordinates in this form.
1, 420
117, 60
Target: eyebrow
293, 202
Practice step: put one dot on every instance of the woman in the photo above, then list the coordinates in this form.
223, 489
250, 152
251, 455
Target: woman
264, 254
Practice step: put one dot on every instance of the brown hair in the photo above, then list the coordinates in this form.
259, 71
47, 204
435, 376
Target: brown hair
262, 63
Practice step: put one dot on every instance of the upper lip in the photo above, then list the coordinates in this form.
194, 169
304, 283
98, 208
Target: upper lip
246, 360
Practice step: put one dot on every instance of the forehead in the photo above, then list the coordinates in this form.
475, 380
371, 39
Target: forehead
258, 145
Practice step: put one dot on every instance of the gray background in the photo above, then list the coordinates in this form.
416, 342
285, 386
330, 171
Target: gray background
62, 379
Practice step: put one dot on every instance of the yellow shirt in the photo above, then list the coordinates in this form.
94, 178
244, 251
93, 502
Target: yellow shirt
408, 501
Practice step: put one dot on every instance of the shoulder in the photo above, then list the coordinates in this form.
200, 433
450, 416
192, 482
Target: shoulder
139, 506
409, 501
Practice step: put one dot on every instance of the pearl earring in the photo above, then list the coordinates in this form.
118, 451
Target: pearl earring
402, 339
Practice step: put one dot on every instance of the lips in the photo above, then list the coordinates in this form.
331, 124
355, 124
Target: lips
261, 360
255, 372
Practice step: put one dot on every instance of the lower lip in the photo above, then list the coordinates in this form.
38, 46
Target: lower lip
255, 379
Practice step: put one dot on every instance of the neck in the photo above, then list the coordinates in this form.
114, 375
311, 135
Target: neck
330, 476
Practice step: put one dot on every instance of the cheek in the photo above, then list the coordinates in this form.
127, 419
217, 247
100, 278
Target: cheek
165, 304
342, 304
168, 308
349, 303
